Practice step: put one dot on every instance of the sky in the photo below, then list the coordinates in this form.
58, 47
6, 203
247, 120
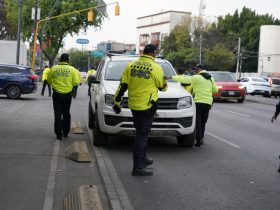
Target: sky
123, 28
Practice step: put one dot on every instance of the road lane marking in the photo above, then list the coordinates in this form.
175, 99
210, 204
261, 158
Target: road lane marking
51, 180
223, 140
245, 115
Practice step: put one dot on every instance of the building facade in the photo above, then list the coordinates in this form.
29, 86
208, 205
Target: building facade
115, 46
269, 50
153, 28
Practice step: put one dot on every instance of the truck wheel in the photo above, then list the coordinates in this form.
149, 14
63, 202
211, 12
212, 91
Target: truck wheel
91, 116
186, 140
241, 100
13, 91
99, 138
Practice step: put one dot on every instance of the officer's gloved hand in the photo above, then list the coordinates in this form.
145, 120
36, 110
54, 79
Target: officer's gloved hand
116, 109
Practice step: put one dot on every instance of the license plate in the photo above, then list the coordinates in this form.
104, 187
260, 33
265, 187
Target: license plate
231, 93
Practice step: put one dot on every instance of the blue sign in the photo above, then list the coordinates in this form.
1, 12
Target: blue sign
82, 41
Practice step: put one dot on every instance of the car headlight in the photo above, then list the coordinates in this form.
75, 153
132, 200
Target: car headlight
241, 86
109, 100
184, 103
219, 86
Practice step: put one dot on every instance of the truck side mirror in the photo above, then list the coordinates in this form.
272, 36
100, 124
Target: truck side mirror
92, 79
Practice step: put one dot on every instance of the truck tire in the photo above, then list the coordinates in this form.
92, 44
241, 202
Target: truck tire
99, 138
13, 91
186, 140
91, 116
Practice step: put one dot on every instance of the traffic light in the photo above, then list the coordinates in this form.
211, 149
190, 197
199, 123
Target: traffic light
90, 16
117, 10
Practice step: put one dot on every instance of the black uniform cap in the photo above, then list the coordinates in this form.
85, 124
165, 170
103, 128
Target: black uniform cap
64, 57
150, 48
200, 66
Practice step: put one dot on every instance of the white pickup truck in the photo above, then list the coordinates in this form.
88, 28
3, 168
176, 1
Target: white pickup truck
175, 116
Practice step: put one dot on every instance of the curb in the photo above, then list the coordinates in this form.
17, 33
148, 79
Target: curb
118, 199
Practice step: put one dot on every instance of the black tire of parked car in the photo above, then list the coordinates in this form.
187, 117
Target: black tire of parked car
99, 138
90, 116
13, 91
186, 140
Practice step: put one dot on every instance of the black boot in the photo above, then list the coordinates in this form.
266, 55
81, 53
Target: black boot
142, 172
147, 162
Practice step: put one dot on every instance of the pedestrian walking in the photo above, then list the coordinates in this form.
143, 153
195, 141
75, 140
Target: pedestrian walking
142, 78
75, 88
203, 87
45, 81
91, 72
62, 78
273, 119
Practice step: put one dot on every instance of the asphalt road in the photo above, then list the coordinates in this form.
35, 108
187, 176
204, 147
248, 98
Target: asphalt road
34, 174
236, 168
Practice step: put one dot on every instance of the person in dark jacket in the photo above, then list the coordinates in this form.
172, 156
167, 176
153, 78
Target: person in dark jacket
273, 119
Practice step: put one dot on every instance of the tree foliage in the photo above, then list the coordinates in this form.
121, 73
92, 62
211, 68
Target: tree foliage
220, 41
7, 31
55, 30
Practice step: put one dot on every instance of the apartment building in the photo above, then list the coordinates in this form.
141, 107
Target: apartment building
153, 28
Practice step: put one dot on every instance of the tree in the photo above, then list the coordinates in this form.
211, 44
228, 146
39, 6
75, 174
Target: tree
7, 31
79, 59
219, 58
246, 25
56, 29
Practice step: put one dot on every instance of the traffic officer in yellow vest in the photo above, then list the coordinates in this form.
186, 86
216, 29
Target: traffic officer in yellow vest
91, 72
45, 81
203, 88
142, 78
62, 78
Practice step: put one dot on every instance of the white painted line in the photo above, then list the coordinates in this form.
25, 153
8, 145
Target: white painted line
245, 115
223, 140
51, 180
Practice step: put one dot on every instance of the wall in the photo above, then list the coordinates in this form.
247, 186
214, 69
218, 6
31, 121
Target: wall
8, 51
269, 49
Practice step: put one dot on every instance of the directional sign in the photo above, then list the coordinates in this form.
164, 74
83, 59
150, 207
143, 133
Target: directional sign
82, 41
97, 54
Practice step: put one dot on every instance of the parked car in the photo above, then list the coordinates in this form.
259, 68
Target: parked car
16, 80
275, 86
256, 86
176, 109
229, 88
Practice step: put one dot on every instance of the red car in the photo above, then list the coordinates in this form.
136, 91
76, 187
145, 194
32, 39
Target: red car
229, 88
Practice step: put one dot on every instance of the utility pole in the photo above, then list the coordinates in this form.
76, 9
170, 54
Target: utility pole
35, 21
202, 7
238, 57
20, 2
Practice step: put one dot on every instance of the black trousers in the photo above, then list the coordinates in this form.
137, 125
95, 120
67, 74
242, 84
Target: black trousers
143, 123
45, 83
202, 113
62, 116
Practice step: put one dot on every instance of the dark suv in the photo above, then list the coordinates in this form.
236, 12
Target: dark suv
16, 80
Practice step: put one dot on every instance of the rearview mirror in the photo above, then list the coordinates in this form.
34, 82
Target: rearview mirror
92, 79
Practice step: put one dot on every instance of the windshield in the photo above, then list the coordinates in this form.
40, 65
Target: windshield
223, 77
115, 68
258, 80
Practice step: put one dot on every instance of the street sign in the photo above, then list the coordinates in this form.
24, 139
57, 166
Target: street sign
82, 41
97, 54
